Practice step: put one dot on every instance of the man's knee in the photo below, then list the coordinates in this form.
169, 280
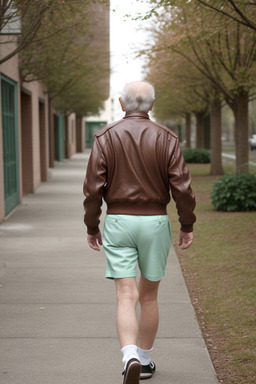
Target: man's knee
146, 297
126, 289
148, 290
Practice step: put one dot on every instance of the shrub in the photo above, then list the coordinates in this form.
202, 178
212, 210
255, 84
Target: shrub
235, 192
196, 155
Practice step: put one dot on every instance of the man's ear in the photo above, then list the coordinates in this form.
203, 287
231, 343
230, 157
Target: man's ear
152, 104
121, 103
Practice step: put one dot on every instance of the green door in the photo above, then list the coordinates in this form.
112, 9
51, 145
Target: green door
59, 136
91, 128
10, 143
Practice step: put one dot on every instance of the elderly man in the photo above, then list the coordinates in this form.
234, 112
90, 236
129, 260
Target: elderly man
133, 165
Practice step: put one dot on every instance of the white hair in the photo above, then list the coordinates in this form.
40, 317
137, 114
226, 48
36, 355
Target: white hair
138, 96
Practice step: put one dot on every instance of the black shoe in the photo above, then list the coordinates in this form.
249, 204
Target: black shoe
132, 372
147, 371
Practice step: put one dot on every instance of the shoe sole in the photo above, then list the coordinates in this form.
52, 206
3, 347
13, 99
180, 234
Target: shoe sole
145, 376
133, 373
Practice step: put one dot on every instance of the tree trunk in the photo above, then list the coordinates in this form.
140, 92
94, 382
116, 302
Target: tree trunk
207, 131
188, 130
179, 132
242, 130
200, 129
216, 145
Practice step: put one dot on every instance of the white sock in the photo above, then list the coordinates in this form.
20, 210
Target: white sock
145, 356
129, 352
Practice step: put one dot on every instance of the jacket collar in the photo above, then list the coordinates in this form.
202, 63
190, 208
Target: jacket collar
136, 114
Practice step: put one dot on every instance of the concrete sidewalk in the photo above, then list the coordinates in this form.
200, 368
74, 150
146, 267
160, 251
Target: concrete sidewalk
57, 311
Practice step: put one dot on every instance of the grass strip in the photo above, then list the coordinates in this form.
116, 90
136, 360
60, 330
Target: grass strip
220, 273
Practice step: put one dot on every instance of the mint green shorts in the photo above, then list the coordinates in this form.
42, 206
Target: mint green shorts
130, 239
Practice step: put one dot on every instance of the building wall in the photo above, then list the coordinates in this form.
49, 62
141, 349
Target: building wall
44, 135
36, 151
10, 67
82, 136
2, 205
38, 142
33, 131
10, 70
70, 135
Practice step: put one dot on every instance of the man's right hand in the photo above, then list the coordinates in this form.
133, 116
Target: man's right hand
185, 239
94, 241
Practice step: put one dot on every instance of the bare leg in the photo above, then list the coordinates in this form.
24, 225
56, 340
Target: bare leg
126, 319
149, 318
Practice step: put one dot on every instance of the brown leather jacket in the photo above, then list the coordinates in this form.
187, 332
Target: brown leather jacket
133, 165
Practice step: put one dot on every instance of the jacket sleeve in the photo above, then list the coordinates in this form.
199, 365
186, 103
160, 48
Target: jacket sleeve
180, 184
93, 188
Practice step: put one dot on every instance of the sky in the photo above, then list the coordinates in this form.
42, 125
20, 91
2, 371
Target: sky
126, 37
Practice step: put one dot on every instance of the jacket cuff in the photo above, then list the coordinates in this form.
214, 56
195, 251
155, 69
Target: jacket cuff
186, 228
92, 231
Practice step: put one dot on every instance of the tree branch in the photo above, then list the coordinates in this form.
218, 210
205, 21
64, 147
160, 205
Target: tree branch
247, 23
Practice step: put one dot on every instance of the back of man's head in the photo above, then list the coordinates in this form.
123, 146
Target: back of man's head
138, 96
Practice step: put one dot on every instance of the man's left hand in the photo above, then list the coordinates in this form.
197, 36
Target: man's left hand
94, 241
185, 239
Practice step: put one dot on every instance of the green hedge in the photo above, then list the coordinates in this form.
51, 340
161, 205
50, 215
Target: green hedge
235, 192
196, 155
